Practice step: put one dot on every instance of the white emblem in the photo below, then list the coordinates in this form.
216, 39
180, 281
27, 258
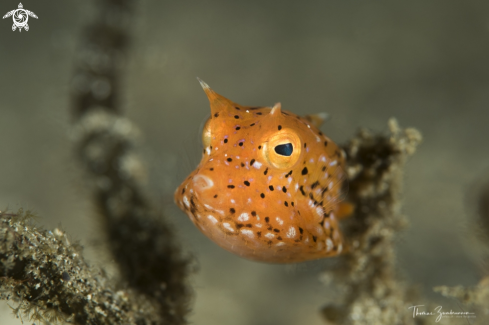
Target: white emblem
20, 17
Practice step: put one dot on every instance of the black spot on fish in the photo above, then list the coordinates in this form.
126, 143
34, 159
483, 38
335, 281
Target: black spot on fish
271, 187
266, 171
286, 204
302, 190
232, 210
225, 140
267, 219
216, 115
238, 128
238, 108
262, 195
246, 183
280, 127
229, 159
252, 162
230, 186
253, 213
304, 171
284, 189
316, 183
325, 143
236, 116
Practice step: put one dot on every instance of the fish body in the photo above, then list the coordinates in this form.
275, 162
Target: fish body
268, 186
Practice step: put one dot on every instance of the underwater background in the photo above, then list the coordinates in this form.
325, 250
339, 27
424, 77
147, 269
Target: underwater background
425, 63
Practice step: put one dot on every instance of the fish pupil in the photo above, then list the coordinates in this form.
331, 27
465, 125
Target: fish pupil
285, 149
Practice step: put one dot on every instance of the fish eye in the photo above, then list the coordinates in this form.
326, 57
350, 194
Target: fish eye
285, 149
282, 149
206, 134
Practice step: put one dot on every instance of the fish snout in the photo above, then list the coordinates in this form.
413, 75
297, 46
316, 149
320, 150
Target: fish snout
202, 182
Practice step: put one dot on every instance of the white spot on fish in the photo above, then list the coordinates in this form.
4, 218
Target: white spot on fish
243, 217
291, 233
208, 150
257, 165
247, 232
280, 221
280, 244
258, 225
329, 244
319, 211
212, 219
326, 224
208, 206
333, 163
185, 200
270, 235
228, 226
319, 230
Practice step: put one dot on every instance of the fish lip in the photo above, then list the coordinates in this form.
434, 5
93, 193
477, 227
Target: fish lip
202, 182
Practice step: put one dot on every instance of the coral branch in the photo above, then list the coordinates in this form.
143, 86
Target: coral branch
374, 292
48, 279
138, 237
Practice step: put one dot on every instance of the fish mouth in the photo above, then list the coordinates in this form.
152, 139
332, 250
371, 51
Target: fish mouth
202, 183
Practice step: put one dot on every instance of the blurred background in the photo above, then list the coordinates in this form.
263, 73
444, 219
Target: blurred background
423, 62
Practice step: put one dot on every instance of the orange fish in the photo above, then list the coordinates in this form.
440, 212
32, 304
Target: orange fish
269, 184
